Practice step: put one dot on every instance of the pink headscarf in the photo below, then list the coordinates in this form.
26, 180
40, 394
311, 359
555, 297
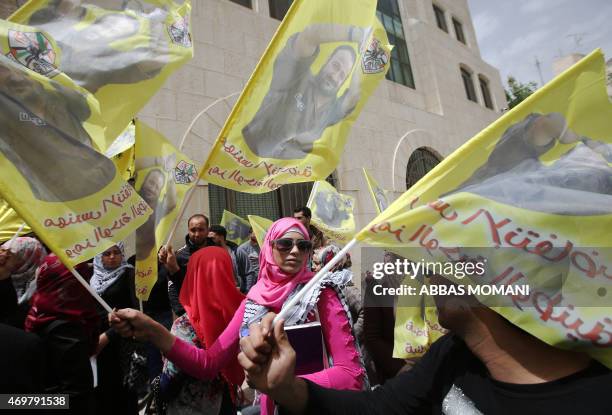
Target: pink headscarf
274, 286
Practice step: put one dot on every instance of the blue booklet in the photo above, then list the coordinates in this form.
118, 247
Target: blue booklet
307, 340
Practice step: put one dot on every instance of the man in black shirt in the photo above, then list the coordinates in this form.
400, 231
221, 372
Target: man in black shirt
487, 366
176, 263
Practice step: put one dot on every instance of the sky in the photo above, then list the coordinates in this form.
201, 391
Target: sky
512, 33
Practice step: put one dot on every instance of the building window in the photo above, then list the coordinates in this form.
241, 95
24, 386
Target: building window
440, 18
459, 31
421, 161
389, 15
245, 3
468, 84
266, 205
486, 93
279, 8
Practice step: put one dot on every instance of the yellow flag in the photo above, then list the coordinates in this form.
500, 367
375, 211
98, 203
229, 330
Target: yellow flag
163, 177
291, 122
38, 52
332, 212
529, 200
121, 56
10, 222
236, 227
416, 327
122, 152
379, 195
68, 193
260, 227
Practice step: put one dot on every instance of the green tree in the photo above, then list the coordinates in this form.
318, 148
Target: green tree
517, 91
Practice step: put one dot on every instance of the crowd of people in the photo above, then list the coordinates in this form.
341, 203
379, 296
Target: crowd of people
208, 322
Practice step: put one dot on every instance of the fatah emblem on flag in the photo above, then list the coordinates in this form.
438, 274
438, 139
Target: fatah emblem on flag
375, 58
34, 51
179, 32
185, 173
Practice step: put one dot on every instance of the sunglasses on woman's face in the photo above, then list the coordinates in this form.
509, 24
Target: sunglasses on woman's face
287, 244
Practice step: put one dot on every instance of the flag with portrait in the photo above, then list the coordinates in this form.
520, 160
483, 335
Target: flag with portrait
379, 195
529, 199
69, 194
122, 55
238, 229
332, 212
122, 152
163, 177
293, 118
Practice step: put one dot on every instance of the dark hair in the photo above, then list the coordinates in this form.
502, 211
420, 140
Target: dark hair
305, 210
198, 215
219, 230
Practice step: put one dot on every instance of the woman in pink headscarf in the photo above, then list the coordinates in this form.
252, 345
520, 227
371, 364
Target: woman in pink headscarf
283, 263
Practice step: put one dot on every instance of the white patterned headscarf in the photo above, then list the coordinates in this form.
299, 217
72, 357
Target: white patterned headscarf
32, 253
103, 278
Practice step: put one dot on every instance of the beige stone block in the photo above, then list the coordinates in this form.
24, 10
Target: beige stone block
218, 85
227, 37
208, 56
203, 29
255, 47
162, 105
187, 79
189, 105
239, 65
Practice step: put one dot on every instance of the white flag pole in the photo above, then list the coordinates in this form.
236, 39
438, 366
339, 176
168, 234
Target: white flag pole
314, 280
90, 289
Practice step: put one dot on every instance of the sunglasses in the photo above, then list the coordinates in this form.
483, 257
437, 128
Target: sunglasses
287, 244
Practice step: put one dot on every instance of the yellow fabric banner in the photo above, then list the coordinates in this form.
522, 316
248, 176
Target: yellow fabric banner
121, 56
10, 222
236, 227
260, 227
123, 153
332, 212
163, 177
530, 197
68, 193
37, 51
379, 195
291, 122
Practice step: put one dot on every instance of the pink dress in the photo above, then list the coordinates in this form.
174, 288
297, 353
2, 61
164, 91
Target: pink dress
346, 373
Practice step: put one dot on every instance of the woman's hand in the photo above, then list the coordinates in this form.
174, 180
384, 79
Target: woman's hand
269, 362
132, 323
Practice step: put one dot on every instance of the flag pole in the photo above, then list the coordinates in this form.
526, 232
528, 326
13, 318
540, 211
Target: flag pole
314, 281
10, 242
186, 201
90, 289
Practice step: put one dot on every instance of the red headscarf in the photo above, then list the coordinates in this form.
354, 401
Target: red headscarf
274, 286
210, 298
60, 296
